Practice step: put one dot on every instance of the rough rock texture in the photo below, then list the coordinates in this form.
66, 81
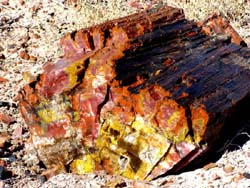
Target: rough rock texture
214, 175
137, 96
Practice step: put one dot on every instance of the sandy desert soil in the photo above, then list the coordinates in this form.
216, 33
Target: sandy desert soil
29, 36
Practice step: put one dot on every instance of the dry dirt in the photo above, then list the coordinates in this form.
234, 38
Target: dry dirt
29, 36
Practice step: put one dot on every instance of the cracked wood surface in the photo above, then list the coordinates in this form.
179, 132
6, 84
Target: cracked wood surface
137, 96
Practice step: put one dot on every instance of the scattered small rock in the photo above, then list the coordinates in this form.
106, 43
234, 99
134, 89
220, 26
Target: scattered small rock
228, 168
24, 55
11, 46
246, 175
36, 36
2, 163
2, 56
4, 2
215, 177
21, 2
18, 131
28, 77
32, 58
3, 139
209, 166
141, 184
5, 173
1, 48
237, 177
54, 171
3, 80
6, 119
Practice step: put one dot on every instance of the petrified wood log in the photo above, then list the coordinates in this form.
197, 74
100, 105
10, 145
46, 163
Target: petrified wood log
137, 96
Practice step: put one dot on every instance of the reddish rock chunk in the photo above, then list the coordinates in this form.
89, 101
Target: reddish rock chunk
137, 96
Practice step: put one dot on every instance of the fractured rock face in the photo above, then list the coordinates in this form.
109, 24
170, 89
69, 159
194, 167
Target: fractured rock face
130, 96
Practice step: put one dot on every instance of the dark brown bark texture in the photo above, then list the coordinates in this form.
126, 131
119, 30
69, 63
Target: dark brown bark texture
137, 96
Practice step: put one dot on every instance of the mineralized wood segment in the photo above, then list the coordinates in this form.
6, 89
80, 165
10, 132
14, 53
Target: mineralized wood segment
137, 96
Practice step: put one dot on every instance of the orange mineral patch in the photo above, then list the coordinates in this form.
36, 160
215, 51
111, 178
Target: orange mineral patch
199, 122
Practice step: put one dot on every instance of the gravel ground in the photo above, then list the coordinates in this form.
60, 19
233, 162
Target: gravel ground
29, 36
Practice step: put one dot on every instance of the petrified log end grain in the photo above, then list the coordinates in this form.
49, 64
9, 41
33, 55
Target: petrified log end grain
217, 23
137, 96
